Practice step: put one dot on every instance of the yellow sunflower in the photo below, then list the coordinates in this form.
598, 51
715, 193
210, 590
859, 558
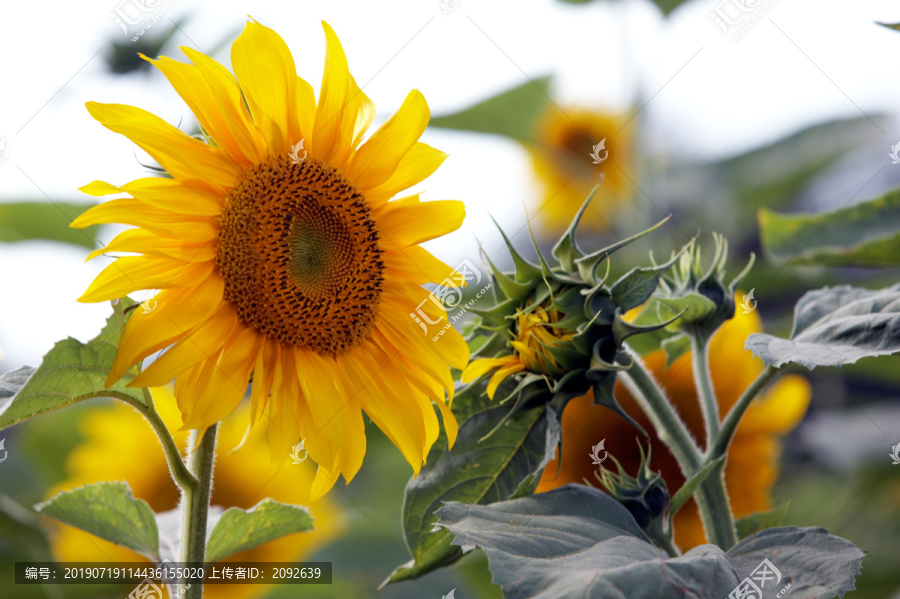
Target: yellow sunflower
534, 336
752, 466
120, 445
562, 161
280, 253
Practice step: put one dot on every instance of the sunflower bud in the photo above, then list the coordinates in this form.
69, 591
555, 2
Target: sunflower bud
645, 497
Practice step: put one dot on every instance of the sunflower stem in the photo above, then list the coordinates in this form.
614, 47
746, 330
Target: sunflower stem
711, 495
180, 473
195, 505
703, 382
731, 421
669, 427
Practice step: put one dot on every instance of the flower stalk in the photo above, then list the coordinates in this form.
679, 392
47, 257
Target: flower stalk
195, 505
703, 382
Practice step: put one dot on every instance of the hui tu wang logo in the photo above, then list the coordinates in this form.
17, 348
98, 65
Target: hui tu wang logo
449, 294
895, 150
3, 449
752, 586
748, 304
894, 456
595, 453
448, 6
149, 304
295, 452
736, 17
295, 155
137, 12
600, 147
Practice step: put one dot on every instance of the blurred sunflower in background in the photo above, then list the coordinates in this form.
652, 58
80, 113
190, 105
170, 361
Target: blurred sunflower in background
573, 147
280, 253
752, 467
120, 445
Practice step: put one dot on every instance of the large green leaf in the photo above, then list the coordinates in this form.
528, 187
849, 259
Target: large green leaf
753, 523
835, 326
576, 541
109, 511
867, 234
20, 221
506, 464
70, 372
239, 530
817, 564
513, 113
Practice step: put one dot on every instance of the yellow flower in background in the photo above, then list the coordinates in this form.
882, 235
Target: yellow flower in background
120, 445
752, 467
535, 335
280, 253
564, 157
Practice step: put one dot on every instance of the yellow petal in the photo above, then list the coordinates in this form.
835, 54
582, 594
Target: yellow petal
129, 274
417, 165
202, 342
142, 241
327, 139
377, 159
480, 367
501, 376
265, 68
176, 312
408, 221
416, 265
182, 156
182, 197
128, 211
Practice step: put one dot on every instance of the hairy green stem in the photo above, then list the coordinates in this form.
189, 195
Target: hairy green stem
669, 426
195, 505
731, 421
715, 510
180, 473
703, 382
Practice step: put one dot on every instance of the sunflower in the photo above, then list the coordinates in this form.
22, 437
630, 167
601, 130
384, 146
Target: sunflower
561, 158
281, 252
535, 335
752, 466
117, 440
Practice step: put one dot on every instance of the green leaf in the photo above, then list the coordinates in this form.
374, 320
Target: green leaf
816, 563
109, 511
576, 541
513, 113
21, 221
867, 234
894, 26
508, 463
636, 286
754, 523
239, 530
835, 326
70, 372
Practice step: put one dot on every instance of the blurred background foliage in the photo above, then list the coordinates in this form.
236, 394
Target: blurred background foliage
780, 201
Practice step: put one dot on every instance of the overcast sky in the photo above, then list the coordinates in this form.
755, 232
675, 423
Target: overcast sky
805, 61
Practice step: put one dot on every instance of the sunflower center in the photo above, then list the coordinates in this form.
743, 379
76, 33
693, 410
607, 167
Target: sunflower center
298, 250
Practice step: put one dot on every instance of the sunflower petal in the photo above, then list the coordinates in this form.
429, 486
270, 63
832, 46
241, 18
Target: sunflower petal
408, 221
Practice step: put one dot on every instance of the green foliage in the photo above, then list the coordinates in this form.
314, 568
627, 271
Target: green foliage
239, 530
506, 464
835, 326
867, 234
576, 541
22, 221
71, 372
513, 113
109, 511
754, 523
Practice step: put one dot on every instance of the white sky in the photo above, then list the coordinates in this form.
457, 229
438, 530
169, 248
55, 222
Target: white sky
808, 61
